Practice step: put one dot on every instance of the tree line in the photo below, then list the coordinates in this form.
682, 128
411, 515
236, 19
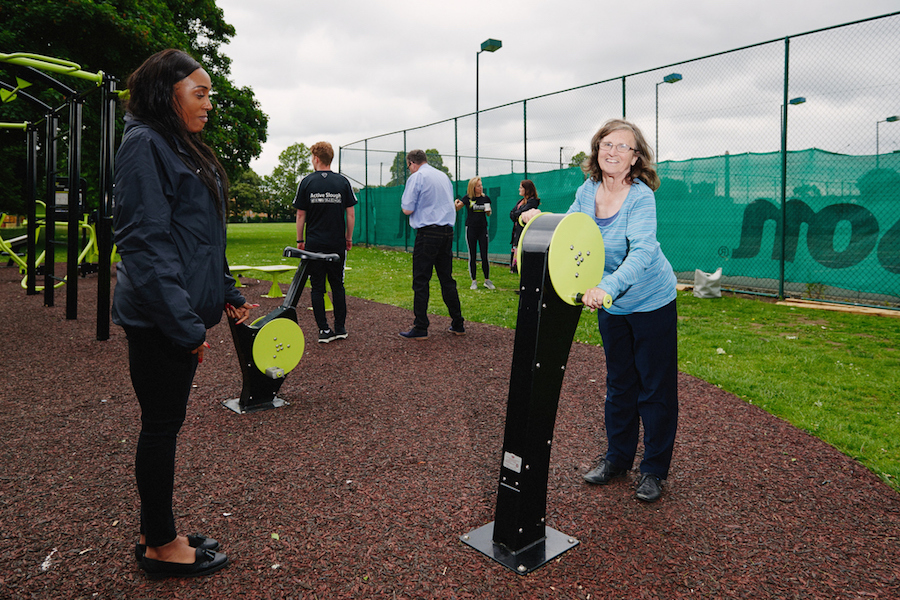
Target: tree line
116, 37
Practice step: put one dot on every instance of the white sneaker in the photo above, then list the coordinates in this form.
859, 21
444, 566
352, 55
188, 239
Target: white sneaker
474, 285
489, 284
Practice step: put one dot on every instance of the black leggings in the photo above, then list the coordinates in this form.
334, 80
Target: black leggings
478, 236
162, 374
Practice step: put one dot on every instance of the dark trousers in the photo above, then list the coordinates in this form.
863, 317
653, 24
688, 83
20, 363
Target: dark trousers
641, 386
433, 251
161, 374
475, 237
319, 270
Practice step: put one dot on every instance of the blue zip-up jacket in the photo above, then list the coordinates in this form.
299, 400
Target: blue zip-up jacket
636, 273
173, 274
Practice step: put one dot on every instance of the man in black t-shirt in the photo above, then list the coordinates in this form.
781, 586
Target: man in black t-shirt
324, 204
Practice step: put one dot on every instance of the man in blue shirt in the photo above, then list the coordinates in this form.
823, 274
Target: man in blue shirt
428, 200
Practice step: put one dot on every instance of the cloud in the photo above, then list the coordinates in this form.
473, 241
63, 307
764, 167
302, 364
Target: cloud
349, 70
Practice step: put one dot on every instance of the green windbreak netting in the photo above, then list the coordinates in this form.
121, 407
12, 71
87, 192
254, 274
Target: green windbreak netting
842, 212
380, 222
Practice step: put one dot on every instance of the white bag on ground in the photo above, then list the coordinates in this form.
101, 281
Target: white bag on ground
708, 285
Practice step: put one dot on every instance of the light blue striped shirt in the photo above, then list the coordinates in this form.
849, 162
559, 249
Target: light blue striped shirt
636, 273
429, 195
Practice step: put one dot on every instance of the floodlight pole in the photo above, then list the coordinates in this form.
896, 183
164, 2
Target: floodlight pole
877, 147
670, 78
489, 45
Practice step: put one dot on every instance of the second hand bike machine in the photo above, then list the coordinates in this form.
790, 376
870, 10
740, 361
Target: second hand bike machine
560, 256
271, 346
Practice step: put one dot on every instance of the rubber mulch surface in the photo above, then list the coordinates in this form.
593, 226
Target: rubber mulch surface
388, 452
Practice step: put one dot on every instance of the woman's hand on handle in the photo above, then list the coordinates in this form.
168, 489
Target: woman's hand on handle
593, 298
239, 313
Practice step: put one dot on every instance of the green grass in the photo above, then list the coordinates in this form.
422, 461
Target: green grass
835, 375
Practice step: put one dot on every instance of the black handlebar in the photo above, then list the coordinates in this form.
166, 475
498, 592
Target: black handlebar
291, 252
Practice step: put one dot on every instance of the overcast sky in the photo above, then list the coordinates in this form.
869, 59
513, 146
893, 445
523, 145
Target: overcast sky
350, 69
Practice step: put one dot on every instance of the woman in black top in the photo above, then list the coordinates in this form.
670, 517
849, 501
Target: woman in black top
529, 200
478, 209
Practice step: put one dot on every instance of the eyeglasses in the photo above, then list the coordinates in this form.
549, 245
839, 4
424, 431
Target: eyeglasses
608, 146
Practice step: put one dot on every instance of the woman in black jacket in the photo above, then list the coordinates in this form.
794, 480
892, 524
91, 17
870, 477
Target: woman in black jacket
171, 286
529, 200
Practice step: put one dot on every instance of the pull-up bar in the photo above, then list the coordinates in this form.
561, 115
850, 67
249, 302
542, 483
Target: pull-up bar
53, 65
34, 68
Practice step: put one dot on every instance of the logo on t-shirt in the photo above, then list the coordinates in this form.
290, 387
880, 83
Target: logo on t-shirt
324, 198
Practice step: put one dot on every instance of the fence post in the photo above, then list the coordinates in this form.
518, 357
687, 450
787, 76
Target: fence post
784, 112
525, 132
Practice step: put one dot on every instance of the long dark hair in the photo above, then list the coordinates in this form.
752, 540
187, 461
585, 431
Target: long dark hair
529, 189
152, 100
645, 167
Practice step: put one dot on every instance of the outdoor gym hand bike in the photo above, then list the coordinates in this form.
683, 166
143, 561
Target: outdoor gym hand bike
559, 256
271, 346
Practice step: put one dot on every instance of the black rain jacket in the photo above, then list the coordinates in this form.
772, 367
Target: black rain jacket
173, 275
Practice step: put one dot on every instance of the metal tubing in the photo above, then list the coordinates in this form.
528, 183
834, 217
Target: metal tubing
74, 209
31, 208
525, 132
50, 206
104, 209
784, 123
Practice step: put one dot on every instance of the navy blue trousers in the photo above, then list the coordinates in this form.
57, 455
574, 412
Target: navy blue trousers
433, 252
641, 386
162, 374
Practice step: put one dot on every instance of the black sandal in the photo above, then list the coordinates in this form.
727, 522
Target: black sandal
198, 540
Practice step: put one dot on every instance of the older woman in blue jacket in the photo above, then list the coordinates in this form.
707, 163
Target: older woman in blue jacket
639, 327
171, 286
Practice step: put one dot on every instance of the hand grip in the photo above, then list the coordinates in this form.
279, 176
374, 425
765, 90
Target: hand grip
607, 300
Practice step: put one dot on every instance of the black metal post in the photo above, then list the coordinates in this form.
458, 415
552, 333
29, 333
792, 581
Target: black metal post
31, 135
784, 112
50, 206
519, 537
104, 210
74, 207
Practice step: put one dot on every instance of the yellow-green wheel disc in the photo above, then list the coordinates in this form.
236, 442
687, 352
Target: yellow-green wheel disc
279, 344
575, 257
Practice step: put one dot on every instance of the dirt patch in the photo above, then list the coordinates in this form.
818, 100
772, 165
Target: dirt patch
388, 451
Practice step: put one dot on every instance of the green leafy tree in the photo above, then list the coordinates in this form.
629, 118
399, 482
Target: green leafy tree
115, 36
280, 187
435, 159
578, 159
246, 195
399, 172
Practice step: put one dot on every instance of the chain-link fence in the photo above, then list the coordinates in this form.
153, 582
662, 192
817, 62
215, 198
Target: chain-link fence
735, 165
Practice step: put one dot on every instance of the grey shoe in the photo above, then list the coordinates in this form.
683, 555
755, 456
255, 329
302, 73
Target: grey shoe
649, 488
474, 285
489, 284
604, 473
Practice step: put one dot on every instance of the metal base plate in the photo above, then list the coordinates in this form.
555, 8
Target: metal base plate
525, 560
235, 405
